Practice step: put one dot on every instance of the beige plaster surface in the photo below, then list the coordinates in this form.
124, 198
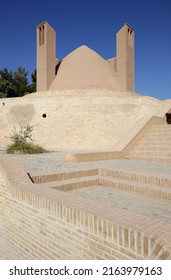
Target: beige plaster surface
81, 119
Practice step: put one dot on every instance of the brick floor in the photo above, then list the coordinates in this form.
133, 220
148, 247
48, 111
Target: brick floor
112, 198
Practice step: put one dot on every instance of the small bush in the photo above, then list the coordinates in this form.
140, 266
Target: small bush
23, 142
26, 148
22, 136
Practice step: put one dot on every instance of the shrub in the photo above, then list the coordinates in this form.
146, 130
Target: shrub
23, 142
26, 148
24, 135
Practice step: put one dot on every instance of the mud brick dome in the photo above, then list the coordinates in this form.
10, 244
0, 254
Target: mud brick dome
85, 69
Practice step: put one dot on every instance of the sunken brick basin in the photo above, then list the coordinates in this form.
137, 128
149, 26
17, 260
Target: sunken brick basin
83, 214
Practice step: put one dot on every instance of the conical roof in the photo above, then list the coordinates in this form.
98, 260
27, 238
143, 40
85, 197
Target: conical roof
84, 69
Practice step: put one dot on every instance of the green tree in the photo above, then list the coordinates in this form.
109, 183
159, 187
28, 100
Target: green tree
32, 86
7, 86
16, 84
33, 76
21, 80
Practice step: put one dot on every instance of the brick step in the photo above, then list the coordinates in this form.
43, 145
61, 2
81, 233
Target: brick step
160, 138
157, 132
137, 177
152, 153
136, 187
155, 135
153, 143
62, 175
148, 153
82, 175
72, 184
161, 128
152, 148
149, 156
158, 159
109, 181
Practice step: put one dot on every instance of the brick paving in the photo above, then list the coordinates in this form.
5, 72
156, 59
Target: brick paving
53, 161
143, 205
152, 207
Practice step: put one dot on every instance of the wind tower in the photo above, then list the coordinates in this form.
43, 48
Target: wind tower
125, 57
46, 56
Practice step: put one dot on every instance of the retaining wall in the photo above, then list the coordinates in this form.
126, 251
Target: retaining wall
83, 120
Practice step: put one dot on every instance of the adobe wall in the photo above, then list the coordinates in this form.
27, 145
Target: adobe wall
82, 120
41, 223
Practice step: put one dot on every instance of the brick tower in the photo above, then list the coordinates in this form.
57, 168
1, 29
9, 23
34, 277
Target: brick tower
46, 56
125, 57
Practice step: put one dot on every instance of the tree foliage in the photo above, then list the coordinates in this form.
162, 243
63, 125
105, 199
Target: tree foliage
14, 84
7, 87
21, 80
32, 86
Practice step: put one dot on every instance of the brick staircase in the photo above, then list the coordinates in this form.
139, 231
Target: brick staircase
154, 145
131, 182
126, 181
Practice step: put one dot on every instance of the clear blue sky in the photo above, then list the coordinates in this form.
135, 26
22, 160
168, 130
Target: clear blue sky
93, 23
